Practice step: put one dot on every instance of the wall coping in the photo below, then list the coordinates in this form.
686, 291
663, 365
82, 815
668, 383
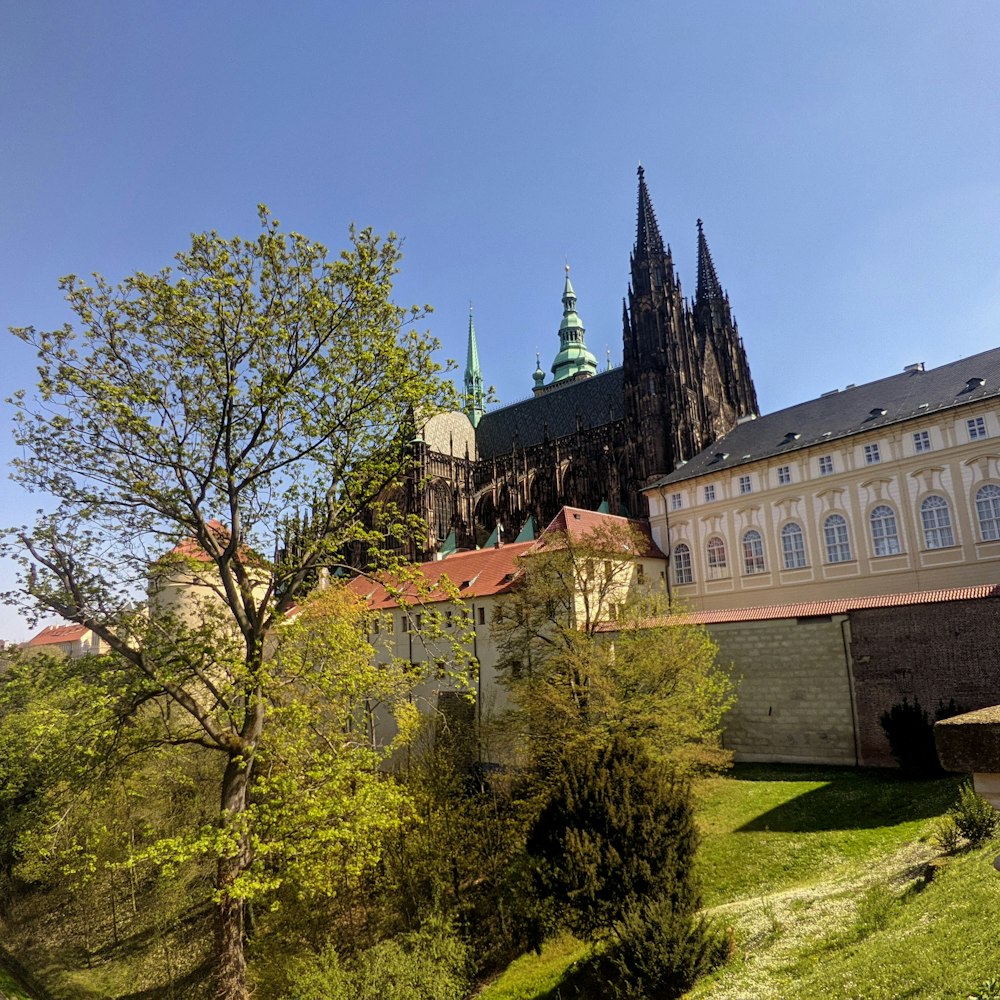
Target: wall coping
970, 742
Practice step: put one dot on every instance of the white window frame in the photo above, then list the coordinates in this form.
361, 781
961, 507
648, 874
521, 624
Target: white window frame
935, 517
837, 539
710, 493
884, 531
676, 501
745, 485
784, 475
826, 465
921, 441
976, 427
683, 571
988, 512
715, 555
872, 454
753, 553
793, 546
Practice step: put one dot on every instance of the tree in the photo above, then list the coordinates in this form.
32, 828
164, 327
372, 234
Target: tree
200, 408
589, 653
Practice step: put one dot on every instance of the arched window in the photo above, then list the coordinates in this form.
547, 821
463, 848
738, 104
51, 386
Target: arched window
885, 534
682, 564
988, 511
753, 553
793, 546
716, 558
443, 510
838, 545
936, 518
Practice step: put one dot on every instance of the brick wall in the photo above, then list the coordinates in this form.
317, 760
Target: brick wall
933, 652
794, 699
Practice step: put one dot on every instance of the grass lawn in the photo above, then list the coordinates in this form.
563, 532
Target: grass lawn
821, 873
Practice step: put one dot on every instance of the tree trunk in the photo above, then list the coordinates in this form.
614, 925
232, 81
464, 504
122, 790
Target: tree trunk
231, 963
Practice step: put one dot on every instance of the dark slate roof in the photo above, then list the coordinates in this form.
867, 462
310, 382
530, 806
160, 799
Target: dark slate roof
851, 411
595, 401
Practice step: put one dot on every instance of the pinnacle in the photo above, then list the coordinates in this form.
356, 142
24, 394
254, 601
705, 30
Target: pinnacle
709, 288
647, 232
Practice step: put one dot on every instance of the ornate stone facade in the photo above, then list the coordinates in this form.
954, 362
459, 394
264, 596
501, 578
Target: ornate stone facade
591, 439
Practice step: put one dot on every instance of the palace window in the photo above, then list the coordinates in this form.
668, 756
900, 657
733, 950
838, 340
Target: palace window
872, 456
709, 493
784, 475
746, 486
793, 546
936, 518
885, 534
921, 441
988, 512
838, 545
675, 501
682, 564
977, 428
753, 553
826, 465
716, 555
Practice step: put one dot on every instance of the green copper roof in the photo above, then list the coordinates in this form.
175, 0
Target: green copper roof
573, 358
475, 397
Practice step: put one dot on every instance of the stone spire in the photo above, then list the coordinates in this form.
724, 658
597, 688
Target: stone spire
573, 360
709, 288
648, 241
475, 397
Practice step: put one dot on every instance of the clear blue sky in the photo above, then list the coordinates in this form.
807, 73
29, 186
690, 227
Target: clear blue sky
845, 157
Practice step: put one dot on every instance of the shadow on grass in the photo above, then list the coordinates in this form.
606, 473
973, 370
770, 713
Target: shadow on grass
850, 799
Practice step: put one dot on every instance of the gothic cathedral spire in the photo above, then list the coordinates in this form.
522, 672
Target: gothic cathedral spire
475, 397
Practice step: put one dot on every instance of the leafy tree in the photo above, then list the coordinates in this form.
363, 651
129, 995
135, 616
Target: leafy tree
589, 653
201, 407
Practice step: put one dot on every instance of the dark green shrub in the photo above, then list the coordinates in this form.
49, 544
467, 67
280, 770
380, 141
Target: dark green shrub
661, 951
615, 831
974, 818
990, 990
910, 733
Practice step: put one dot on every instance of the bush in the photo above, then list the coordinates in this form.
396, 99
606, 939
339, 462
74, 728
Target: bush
990, 990
431, 964
662, 951
911, 735
946, 834
615, 831
974, 818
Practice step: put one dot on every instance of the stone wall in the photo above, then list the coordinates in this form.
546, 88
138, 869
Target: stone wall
794, 694
932, 652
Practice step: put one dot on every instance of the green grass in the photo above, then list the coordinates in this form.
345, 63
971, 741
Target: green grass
10, 989
822, 874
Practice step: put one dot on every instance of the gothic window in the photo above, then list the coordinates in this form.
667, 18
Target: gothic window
442, 512
793, 546
988, 512
936, 518
753, 553
716, 557
885, 534
838, 546
682, 564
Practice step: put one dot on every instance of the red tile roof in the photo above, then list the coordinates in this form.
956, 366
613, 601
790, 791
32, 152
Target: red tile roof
481, 573
52, 634
814, 609
578, 524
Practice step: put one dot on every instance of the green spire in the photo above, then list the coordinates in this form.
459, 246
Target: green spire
573, 358
475, 398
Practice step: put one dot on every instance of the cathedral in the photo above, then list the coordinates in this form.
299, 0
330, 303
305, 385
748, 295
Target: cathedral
589, 438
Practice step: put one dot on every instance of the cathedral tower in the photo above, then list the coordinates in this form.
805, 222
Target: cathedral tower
686, 376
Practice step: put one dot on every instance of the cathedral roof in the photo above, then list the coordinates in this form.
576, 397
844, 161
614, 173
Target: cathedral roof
591, 402
839, 414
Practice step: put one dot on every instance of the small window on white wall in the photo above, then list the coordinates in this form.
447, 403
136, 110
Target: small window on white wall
921, 441
826, 465
784, 475
709, 493
977, 428
746, 485
872, 455
676, 501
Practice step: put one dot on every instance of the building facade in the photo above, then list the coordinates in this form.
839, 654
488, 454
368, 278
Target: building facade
584, 437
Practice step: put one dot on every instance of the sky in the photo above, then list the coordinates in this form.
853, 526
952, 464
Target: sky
844, 156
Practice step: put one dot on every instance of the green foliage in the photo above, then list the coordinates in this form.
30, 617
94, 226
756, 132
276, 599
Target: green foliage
910, 733
974, 818
615, 831
874, 910
990, 990
588, 653
257, 378
431, 963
